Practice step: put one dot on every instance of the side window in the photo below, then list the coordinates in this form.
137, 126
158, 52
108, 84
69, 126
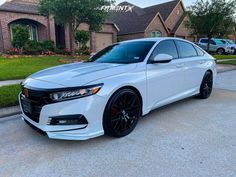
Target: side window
212, 42
205, 41
199, 51
166, 47
186, 49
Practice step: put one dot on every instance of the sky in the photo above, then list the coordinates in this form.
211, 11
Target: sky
142, 3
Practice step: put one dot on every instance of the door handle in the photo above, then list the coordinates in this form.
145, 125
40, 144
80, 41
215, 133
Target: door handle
179, 65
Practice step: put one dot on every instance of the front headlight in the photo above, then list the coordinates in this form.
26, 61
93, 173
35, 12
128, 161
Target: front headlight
75, 93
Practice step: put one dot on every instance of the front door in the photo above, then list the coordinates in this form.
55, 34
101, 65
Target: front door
164, 80
60, 36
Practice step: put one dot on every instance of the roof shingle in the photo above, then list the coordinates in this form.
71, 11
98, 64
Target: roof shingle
13, 6
139, 19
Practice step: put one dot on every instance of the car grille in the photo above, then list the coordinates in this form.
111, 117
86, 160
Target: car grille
32, 103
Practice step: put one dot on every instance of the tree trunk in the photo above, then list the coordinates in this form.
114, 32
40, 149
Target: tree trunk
73, 43
208, 44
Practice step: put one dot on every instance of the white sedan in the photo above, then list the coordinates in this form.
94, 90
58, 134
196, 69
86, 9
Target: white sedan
109, 93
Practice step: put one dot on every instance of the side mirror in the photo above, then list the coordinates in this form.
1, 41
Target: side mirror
162, 58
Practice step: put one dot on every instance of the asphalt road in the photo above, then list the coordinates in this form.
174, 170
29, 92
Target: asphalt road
191, 138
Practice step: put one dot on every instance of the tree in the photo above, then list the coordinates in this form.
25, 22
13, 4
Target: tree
234, 28
211, 17
75, 12
20, 36
82, 37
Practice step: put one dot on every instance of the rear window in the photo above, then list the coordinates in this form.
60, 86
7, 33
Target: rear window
199, 51
186, 49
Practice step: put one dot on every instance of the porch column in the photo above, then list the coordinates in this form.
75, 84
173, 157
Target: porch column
6, 36
51, 27
1, 38
68, 38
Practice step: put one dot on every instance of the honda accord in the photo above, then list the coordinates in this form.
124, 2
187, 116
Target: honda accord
110, 92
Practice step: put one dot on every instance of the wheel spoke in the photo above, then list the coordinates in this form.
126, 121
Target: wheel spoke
125, 112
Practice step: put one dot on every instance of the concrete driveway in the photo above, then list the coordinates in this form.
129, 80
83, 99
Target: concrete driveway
191, 138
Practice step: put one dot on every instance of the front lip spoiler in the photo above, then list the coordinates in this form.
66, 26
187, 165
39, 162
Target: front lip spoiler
69, 130
45, 133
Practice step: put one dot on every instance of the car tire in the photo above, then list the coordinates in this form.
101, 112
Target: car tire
206, 86
220, 51
122, 113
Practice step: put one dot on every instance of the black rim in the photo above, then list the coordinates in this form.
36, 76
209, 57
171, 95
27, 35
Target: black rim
221, 51
125, 112
207, 85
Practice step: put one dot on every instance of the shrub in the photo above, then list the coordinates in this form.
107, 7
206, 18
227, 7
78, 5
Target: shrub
63, 51
49, 53
82, 37
20, 36
83, 51
12, 51
33, 48
48, 46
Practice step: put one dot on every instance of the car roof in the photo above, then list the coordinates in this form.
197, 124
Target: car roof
156, 39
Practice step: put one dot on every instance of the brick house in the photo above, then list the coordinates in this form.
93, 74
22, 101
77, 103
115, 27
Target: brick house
167, 19
43, 28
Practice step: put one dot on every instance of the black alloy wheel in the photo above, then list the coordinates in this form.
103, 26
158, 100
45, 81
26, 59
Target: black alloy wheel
122, 113
206, 86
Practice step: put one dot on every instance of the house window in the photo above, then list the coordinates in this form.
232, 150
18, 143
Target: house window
33, 30
156, 34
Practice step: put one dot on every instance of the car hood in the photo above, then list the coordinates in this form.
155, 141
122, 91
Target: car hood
232, 45
79, 74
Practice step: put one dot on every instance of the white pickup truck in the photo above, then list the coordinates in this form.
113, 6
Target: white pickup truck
216, 46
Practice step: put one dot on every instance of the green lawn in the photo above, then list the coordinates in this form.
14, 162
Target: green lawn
233, 62
220, 57
9, 95
20, 68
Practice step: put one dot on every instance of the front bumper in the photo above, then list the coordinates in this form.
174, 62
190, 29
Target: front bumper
92, 108
229, 51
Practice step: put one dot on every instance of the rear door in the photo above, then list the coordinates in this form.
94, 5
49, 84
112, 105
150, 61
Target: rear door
193, 60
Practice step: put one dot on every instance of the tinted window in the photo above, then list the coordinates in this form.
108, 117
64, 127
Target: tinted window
199, 51
166, 47
223, 41
124, 53
218, 41
204, 41
186, 49
212, 42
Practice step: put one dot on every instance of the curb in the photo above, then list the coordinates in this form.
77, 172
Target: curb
10, 111
224, 60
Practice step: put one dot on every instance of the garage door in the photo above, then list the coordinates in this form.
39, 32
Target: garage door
103, 40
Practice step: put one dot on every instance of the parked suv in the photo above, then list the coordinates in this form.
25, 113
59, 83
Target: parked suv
216, 45
230, 43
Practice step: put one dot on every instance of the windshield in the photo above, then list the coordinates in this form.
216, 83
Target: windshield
124, 53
